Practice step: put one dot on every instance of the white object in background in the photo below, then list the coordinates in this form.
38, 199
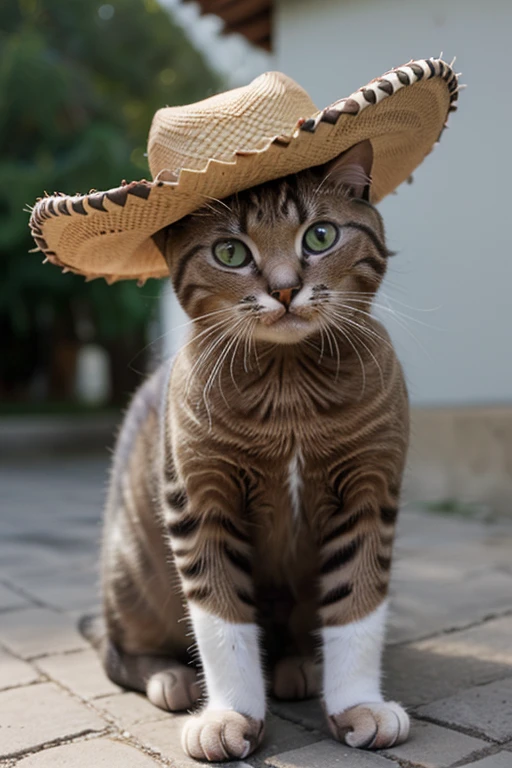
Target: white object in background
92, 384
175, 323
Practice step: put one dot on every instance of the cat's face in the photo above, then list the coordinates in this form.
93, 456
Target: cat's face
285, 260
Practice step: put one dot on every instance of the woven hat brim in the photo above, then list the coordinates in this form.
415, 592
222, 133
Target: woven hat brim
109, 234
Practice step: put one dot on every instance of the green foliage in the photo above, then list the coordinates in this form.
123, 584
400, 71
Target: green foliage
79, 83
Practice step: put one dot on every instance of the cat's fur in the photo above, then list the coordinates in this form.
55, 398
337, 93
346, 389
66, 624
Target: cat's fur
256, 483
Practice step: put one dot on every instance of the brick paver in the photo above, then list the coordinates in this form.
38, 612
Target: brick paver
39, 714
499, 760
38, 631
329, 754
81, 672
10, 599
14, 672
423, 671
128, 709
94, 753
449, 656
432, 746
485, 709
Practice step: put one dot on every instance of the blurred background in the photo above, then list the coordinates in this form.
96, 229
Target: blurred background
79, 83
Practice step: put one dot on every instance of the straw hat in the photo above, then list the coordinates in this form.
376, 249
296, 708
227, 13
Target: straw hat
235, 140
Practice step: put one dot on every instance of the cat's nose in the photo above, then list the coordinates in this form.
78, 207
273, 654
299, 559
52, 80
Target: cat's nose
285, 295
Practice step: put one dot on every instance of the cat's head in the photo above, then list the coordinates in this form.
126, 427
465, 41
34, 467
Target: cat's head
284, 259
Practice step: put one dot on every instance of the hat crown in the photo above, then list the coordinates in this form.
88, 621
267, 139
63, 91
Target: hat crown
243, 119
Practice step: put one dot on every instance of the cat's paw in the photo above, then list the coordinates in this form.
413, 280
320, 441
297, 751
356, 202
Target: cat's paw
174, 689
296, 677
377, 725
217, 735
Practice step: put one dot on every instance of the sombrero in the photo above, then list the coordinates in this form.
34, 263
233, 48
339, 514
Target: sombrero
235, 140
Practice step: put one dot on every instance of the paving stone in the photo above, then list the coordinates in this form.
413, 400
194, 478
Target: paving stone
425, 603
10, 599
329, 754
434, 747
165, 736
38, 714
427, 670
485, 709
306, 713
42, 578
281, 735
100, 753
499, 760
37, 631
81, 672
128, 709
14, 672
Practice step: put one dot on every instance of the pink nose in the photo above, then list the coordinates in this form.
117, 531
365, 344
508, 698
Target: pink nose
285, 295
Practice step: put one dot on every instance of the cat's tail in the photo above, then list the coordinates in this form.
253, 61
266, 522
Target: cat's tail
93, 628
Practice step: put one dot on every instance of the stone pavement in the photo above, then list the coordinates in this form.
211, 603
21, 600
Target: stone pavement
449, 654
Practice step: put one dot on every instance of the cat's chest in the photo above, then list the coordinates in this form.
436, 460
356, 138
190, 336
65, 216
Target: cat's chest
281, 511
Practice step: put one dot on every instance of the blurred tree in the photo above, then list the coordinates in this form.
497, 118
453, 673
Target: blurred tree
79, 83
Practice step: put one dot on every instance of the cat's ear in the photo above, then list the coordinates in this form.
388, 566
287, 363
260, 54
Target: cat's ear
352, 169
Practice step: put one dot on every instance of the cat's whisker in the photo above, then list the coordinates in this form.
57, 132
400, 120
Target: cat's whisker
241, 337
408, 306
361, 297
205, 332
398, 319
220, 202
216, 373
367, 348
175, 328
393, 311
369, 332
402, 325
253, 346
199, 319
207, 352
363, 372
322, 343
329, 332
333, 319
219, 362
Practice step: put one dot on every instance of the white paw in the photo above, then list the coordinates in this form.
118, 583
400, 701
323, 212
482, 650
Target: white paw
377, 725
217, 735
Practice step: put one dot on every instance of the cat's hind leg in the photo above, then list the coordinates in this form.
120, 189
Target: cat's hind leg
295, 678
167, 683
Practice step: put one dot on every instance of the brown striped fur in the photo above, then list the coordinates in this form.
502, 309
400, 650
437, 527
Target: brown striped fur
200, 507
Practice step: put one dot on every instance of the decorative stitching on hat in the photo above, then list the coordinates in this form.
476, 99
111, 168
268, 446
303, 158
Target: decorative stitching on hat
387, 85
368, 96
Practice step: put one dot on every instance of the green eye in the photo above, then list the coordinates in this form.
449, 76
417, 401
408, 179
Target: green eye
320, 237
232, 253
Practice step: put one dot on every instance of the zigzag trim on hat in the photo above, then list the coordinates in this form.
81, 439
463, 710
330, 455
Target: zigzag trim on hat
382, 87
373, 93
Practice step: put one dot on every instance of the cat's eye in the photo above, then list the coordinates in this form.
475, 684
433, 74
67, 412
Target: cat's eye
232, 253
320, 237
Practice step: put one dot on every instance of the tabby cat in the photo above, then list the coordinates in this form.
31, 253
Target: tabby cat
256, 481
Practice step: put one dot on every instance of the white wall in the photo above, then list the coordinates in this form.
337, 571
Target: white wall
452, 227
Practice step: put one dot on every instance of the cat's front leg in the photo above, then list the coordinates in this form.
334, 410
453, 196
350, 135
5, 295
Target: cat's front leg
213, 555
355, 563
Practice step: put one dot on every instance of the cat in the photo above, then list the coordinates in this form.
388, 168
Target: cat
256, 480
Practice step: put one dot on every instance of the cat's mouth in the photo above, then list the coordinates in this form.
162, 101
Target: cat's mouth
287, 328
